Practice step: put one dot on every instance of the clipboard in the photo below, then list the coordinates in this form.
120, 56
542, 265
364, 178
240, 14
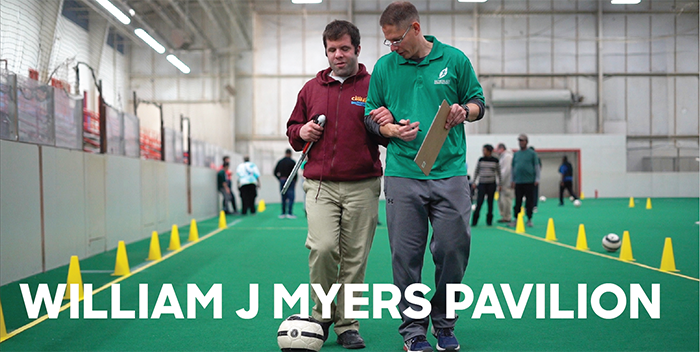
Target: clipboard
434, 140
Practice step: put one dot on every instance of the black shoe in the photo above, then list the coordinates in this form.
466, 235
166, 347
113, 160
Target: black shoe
326, 326
351, 340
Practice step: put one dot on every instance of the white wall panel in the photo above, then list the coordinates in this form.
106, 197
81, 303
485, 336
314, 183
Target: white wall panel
177, 194
442, 27
289, 89
205, 197
166, 89
638, 43
95, 203
661, 106
614, 98
515, 46
267, 99
291, 46
638, 106
244, 107
614, 44
64, 205
464, 37
490, 46
687, 43
371, 39
587, 44
267, 55
662, 43
687, 114
123, 200
20, 211
540, 44
565, 51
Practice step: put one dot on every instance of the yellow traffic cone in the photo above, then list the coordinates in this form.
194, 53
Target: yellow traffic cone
581, 243
174, 239
522, 211
3, 329
261, 206
495, 195
520, 225
194, 234
582, 196
648, 203
631, 202
154, 251
74, 277
222, 220
551, 235
121, 267
668, 262
626, 249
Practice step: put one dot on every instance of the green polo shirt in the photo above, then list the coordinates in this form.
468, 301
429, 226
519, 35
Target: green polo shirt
414, 91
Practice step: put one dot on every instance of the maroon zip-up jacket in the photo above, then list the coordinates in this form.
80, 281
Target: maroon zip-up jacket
345, 151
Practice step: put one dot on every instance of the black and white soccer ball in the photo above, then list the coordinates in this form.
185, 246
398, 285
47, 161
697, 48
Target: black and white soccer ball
300, 334
611, 242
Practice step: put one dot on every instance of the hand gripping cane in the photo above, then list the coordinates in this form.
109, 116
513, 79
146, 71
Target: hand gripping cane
320, 120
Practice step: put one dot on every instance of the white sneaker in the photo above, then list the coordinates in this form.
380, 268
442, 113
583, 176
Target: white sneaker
290, 216
282, 216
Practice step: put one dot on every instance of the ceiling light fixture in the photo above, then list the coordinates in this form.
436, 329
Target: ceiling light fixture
471, 0
177, 63
625, 2
307, 1
149, 40
114, 11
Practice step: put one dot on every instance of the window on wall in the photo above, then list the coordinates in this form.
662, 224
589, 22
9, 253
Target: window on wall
115, 40
76, 12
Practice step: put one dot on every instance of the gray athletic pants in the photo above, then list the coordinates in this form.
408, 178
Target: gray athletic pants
410, 204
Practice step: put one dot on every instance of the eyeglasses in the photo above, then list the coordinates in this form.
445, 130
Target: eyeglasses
388, 42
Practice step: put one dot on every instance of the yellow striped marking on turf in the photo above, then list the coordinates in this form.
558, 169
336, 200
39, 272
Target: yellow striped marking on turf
598, 254
109, 284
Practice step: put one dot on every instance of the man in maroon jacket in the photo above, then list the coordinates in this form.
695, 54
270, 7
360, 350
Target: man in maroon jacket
342, 175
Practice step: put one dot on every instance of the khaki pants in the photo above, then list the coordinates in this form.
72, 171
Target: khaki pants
505, 202
341, 221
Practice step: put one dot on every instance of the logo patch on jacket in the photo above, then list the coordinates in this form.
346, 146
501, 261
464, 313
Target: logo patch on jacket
440, 79
359, 101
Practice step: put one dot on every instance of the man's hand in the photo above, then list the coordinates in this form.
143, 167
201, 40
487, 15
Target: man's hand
311, 132
382, 116
405, 130
456, 116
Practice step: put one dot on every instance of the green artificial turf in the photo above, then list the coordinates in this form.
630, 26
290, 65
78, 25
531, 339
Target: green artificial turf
265, 250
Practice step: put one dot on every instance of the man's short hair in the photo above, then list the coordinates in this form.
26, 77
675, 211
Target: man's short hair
502, 146
337, 29
488, 147
399, 14
288, 151
225, 157
246, 158
225, 163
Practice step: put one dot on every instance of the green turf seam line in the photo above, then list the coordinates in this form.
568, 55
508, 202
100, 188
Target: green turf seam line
138, 269
598, 254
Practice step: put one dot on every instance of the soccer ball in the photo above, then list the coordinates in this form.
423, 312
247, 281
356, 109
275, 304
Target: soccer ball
571, 198
611, 242
577, 203
543, 199
300, 334
473, 207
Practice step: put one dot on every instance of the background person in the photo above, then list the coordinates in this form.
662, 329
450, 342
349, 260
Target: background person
526, 177
248, 183
224, 187
487, 177
567, 178
282, 171
505, 191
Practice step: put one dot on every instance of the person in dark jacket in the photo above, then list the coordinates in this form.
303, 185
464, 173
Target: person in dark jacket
487, 177
342, 175
567, 178
282, 171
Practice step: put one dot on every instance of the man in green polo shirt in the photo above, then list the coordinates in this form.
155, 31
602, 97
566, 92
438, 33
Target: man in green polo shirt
406, 88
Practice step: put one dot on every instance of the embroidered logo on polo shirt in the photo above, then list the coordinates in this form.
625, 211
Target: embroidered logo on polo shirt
443, 73
359, 101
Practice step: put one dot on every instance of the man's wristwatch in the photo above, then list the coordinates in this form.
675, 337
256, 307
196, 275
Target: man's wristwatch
466, 109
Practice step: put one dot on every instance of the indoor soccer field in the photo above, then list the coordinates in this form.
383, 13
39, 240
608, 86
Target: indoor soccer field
265, 250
